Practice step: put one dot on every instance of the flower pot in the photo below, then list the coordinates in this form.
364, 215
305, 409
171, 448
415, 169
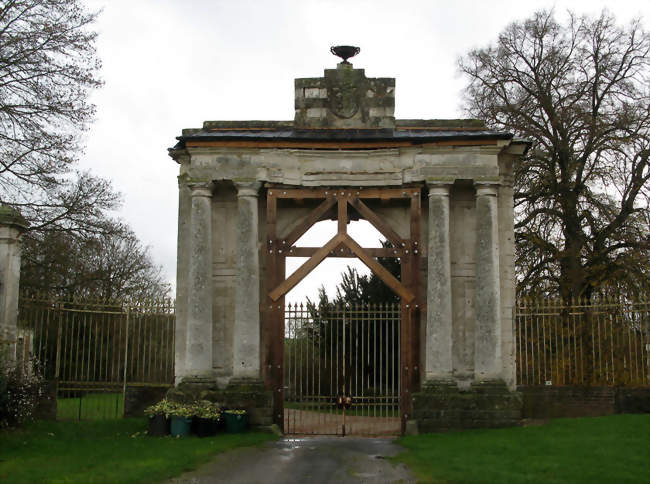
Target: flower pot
158, 426
180, 426
235, 423
205, 427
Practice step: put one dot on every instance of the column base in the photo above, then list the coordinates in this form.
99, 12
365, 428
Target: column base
192, 388
441, 406
249, 394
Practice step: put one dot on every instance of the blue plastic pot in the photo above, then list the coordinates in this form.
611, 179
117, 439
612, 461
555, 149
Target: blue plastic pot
181, 426
235, 423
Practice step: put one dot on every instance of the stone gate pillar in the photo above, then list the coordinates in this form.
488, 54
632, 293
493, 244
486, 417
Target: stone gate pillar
487, 353
12, 225
246, 351
198, 355
438, 359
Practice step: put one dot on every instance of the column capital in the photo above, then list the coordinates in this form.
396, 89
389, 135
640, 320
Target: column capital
248, 188
439, 189
486, 189
10, 217
201, 188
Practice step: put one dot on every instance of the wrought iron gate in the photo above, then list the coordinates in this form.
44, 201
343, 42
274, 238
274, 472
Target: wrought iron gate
93, 349
342, 369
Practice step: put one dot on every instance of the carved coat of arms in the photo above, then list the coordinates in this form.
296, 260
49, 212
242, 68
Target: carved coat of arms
344, 98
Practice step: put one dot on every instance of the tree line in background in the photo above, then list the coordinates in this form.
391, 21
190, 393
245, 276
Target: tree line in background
580, 91
48, 67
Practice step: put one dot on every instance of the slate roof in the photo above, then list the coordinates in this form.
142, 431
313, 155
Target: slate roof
417, 131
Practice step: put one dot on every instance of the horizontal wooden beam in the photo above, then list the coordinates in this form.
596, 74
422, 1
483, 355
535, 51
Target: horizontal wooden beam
372, 251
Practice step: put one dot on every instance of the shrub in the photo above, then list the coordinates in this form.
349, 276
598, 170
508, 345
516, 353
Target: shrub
207, 410
21, 388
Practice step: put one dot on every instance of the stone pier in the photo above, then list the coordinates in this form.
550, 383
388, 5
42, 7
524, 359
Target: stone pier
12, 225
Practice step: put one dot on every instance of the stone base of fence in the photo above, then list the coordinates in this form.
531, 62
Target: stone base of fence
541, 402
250, 395
46, 408
138, 398
442, 407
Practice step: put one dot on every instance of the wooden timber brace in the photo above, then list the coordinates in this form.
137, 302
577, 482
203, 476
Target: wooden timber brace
279, 247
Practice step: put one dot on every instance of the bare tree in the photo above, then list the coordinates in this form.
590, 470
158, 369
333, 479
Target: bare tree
581, 92
113, 265
48, 65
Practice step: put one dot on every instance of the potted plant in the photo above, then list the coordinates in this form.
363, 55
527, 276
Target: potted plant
181, 419
236, 420
206, 418
158, 415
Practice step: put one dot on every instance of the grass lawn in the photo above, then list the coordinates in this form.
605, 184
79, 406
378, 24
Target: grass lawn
108, 451
90, 406
614, 449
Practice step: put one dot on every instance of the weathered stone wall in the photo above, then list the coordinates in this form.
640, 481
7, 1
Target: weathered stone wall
574, 401
137, 399
440, 408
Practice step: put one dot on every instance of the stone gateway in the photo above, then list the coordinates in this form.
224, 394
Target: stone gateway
439, 190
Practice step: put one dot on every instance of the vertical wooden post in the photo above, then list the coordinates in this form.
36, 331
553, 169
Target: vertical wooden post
413, 284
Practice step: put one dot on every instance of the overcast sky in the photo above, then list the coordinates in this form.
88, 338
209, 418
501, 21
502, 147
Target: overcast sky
169, 65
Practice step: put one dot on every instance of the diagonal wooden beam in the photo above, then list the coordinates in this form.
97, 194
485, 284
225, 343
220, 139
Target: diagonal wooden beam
378, 223
383, 273
310, 219
306, 268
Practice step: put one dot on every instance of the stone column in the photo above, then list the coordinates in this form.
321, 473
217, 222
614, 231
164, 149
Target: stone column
246, 351
12, 225
487, 333
438, 360
198, 359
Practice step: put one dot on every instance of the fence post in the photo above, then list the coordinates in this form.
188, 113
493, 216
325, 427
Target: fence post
126, 357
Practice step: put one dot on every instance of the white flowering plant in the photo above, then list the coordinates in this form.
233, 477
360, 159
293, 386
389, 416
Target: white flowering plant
21, 388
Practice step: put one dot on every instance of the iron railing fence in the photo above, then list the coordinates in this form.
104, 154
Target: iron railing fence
599, 343
341, 369
93, 348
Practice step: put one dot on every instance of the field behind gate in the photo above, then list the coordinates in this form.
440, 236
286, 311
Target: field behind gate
94, 350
